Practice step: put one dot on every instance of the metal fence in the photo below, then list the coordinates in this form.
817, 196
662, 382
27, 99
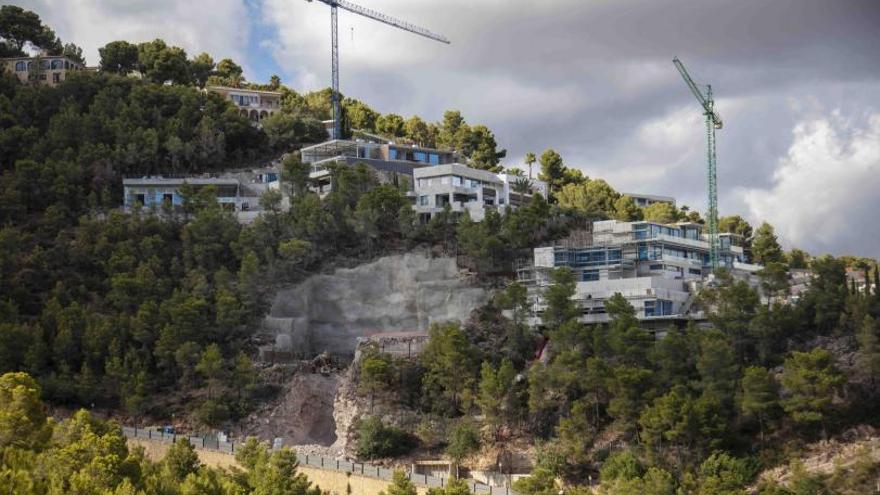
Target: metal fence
315, 461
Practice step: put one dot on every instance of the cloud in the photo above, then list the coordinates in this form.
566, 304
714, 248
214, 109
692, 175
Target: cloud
592, 79
221, 30
825, 190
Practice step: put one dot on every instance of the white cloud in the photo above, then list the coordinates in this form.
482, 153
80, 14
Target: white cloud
825, 191
219, 27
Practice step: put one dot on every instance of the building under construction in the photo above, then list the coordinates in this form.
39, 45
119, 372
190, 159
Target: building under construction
657, 268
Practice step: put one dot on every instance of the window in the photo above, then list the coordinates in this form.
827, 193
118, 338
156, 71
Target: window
392, 154
44, 64
42, 77
434, 159
20, 66
57, 64
456, 180
56, 77
420, 156
590, 275
423, 201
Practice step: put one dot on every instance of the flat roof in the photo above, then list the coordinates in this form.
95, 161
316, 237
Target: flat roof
167, 181
654, 197
457, 169
229, 88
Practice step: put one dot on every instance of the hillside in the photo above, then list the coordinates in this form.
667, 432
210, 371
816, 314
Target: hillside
347, 324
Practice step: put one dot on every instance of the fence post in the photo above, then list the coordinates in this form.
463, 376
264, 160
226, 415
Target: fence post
149, 434
307, 459
322, 461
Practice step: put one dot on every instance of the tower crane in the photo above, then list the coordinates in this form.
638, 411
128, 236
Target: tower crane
334, 41
713, 122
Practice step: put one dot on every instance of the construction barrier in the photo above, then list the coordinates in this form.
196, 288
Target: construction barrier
314, 461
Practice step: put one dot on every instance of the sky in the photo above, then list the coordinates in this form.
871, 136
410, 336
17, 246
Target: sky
797, 82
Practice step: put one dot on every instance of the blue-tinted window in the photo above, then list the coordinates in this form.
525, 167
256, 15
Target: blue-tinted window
420, 156
392, 154
434, 159
590, 275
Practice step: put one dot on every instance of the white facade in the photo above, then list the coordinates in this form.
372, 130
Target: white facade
467, 189
657, 268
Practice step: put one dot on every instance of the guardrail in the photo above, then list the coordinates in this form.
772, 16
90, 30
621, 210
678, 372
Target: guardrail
314, 461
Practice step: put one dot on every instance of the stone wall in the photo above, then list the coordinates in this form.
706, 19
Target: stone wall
402, 293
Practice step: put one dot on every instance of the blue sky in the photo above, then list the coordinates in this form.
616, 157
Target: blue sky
798, 82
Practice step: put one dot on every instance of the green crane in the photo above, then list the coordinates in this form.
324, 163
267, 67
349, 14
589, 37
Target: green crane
713, 121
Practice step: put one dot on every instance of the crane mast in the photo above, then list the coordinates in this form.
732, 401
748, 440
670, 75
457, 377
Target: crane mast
334, 41
713, 122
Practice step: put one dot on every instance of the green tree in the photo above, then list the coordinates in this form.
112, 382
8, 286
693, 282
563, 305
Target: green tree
230, 72
765, 247
625, 210
797, 258
495, 390
120, 57
530, 160
23, 421
558, 296
376, 440
400, 485
391, 124
722, 474
552, 169
19, 26
485, 154
417, 130
451, 365
868, 359
201, 68
760, 395
774, 280
376, 374
161, 63
362, 117
181, 459
463, 441
811, 381
735, 225
661, 212
211, 367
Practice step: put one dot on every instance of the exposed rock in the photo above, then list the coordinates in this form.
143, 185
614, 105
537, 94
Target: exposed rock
304, 415
403, 293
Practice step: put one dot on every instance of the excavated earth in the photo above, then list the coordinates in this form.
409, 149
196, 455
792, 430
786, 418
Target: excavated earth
327, 316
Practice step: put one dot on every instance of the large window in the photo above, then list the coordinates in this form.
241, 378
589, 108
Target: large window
21, 66
456, 180
57, 64
423, 201
420, 156
434, 159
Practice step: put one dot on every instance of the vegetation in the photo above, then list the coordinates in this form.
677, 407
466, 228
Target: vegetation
83, 454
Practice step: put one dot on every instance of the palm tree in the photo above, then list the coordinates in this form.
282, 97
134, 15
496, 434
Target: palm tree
530, 160
522, 186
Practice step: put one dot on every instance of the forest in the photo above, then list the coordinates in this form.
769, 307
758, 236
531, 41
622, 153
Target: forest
152, 315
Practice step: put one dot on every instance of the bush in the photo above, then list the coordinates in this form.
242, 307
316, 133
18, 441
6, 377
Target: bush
213, 413
377, 440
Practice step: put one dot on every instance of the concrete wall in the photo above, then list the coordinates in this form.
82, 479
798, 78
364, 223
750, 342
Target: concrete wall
403, 293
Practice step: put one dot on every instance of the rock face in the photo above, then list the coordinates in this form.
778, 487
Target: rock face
303, 416
403, 293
